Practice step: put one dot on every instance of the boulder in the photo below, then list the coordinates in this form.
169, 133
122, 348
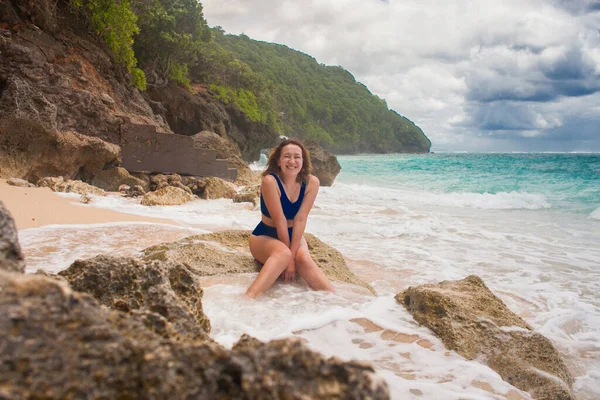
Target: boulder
226, 252
63, 344
167, 196
470, 320
250, 194
217, 188
166, 297
111, 179
11, 257
31, 147
58, 184
325, 165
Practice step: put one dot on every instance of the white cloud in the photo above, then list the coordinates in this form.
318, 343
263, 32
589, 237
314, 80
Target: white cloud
445, 65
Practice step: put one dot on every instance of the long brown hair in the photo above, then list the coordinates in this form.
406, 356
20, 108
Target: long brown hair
273, 168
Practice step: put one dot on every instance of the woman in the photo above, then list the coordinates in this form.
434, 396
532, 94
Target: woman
288, 192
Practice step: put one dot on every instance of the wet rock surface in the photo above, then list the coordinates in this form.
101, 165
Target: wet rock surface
470, 320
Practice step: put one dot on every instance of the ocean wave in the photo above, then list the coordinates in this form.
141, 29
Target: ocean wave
596, 214
496, 201
384, 197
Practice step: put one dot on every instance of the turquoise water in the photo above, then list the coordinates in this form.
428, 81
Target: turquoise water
569, 182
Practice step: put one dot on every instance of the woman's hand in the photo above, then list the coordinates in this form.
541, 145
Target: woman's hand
289, 275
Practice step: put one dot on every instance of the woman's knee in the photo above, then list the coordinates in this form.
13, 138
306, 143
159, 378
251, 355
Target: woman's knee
283, 254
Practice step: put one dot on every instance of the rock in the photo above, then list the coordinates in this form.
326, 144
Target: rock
325, 165
168, 296
58, 184
250, 194
217, 188
476, 324
195, 184
227, 252
32, 148
11, 257
19, 182
111, 179
225, 150
61, 343
167, 196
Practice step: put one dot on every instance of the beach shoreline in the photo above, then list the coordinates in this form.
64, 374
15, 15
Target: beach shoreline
33, 207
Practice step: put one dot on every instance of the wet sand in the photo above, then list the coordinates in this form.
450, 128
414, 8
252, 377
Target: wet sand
34, 207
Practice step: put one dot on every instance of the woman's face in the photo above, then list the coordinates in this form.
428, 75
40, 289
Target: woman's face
290, 160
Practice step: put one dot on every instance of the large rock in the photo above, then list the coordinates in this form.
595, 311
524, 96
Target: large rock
325, 165
227, 252
476, 324
167, 196
11, 257
216, 188
62, 344
167, 297
111, 179
31, 147
227, 150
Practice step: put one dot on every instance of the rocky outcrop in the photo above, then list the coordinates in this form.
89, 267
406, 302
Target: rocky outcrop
167, 196
166, 297
325, 165
11, 257
190, 113
73, 74
31, 147
58, 184
226, 252
225, 150
111, 179
61, 343
476, 324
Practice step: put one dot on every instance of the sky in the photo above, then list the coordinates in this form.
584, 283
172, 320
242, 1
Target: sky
480, 75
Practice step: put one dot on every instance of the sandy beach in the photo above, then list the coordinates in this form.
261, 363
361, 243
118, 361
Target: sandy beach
34, 207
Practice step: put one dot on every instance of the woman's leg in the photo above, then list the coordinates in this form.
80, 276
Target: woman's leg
308, 269
275, 257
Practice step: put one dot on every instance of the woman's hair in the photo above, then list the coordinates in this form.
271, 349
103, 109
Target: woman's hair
273, 168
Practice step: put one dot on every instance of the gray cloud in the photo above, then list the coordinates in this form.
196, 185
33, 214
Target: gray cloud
483, 75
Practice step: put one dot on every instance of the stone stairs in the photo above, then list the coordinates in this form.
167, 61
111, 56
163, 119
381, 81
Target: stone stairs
143, 149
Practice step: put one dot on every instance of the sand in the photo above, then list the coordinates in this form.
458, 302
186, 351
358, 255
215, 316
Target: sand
35, 207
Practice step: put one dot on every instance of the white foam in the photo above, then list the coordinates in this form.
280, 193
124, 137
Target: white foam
595, 214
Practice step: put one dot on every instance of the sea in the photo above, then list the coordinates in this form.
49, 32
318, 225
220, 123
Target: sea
528, 224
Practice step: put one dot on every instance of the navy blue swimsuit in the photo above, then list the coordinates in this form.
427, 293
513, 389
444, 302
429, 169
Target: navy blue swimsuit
289, 210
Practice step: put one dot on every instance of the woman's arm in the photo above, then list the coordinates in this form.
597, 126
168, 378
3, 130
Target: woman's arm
310, 194
270, 192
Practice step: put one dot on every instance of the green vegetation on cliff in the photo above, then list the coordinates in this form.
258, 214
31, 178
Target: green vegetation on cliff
311, 100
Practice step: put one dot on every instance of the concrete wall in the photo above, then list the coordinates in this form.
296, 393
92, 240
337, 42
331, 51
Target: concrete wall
145, 150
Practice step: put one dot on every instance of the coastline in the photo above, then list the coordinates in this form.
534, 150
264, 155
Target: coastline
33, 207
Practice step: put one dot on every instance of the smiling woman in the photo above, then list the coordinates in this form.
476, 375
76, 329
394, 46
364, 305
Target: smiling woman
288, 192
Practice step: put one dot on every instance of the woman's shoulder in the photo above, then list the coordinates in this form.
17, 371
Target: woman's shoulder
268, 180
312, 181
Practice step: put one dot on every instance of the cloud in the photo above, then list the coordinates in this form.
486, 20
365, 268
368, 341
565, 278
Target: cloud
483, 73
